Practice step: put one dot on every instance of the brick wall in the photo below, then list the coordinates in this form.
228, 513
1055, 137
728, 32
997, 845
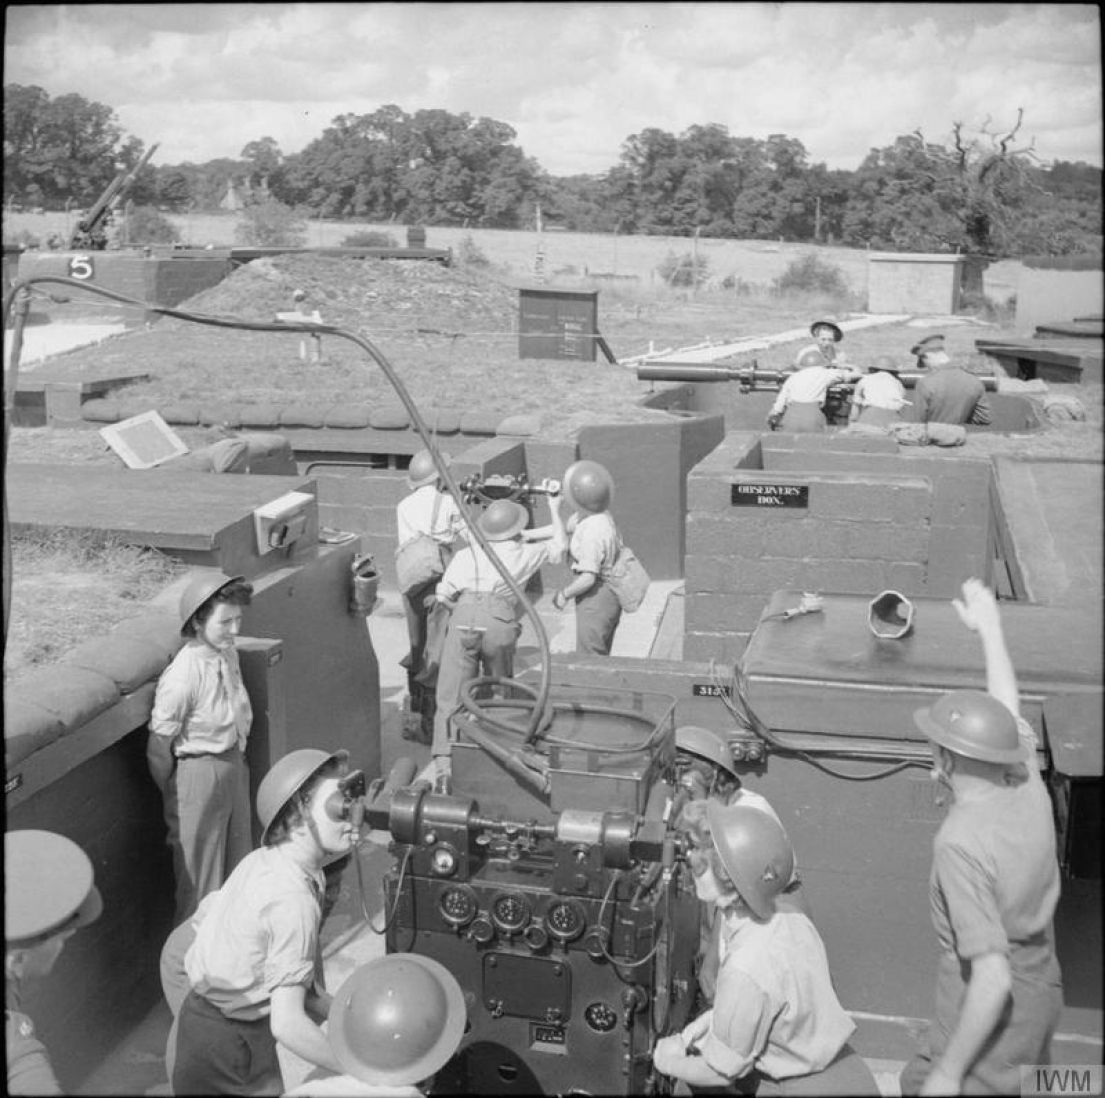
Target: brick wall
875, 518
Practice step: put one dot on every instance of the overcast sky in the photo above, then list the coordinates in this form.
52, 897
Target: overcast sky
574, 79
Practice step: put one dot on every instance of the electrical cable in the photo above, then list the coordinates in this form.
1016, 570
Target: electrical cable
746, 718
388, 918
376, 356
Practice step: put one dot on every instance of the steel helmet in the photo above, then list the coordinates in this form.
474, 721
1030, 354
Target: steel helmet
975, 725
286, 778
890, 615
887, 364
811, 356
589, 486
706, 744
422, 469
199, 589
48, 886
503, 519
397, 1019
830, 323
755, 851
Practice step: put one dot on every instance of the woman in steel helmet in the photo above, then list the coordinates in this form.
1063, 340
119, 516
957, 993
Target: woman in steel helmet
484, 623
431, 516
775, 1020
252, 966
199, 728
592, 549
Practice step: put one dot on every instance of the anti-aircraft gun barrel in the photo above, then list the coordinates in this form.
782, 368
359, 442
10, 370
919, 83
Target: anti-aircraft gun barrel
85, 234
752, 378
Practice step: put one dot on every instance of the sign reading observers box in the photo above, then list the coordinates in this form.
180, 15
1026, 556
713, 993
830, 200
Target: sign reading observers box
770, 495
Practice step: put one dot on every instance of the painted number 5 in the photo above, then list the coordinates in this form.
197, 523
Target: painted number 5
80, 266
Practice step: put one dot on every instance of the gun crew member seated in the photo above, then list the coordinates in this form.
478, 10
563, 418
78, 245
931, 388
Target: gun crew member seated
994, 884
799, 405
199, 726
706, 774
49, 895
484, 619
949, 394
827, 334
776, 1026
878, 397
254, 968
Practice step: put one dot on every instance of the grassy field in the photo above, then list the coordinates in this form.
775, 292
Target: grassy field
597, 255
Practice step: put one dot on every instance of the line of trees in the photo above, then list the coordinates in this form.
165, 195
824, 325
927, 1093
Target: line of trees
985, 193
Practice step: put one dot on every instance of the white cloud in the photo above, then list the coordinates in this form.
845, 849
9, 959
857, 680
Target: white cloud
574, 79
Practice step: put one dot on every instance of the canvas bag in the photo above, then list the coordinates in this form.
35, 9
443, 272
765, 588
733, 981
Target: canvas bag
419, 560
627, 578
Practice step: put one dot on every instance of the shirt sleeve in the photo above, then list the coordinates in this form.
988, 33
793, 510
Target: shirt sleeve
982, 416
970, 901
291, 924
172, 701
784, 395
448, 586
741, 1025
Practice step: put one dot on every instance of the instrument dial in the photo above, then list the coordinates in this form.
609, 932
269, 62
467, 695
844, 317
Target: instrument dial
510, 911
458, 905
565, 920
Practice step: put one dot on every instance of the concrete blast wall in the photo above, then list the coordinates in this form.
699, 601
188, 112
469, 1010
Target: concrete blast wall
866, 519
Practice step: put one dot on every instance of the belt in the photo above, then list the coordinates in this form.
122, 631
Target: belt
179, 755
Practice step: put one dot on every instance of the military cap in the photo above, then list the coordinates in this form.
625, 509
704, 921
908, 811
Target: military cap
831, 324
929, 343
48, 886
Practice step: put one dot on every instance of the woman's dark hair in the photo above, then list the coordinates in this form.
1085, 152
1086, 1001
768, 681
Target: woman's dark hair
295, 811
238, 592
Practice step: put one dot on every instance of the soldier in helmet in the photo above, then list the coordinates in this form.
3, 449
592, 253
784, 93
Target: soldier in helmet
592, 550
198, 731
49, 894
254, 968
393, 1025
484, 622
706, 774
994, 884
827, 336
879, 397
800, 403
428, 512
776, 1025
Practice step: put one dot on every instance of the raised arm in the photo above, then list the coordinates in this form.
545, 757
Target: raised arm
979, 612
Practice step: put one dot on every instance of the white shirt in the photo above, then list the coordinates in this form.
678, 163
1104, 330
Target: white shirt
808, 386
593, 546
471, 570
256, 933
415, 516
879, 390
775, 1008
202, 702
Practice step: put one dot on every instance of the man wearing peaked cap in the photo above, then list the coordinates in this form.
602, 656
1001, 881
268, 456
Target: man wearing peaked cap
947, 393
928, 345
48, 895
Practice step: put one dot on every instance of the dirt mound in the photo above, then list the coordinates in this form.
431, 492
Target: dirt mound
411, 297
